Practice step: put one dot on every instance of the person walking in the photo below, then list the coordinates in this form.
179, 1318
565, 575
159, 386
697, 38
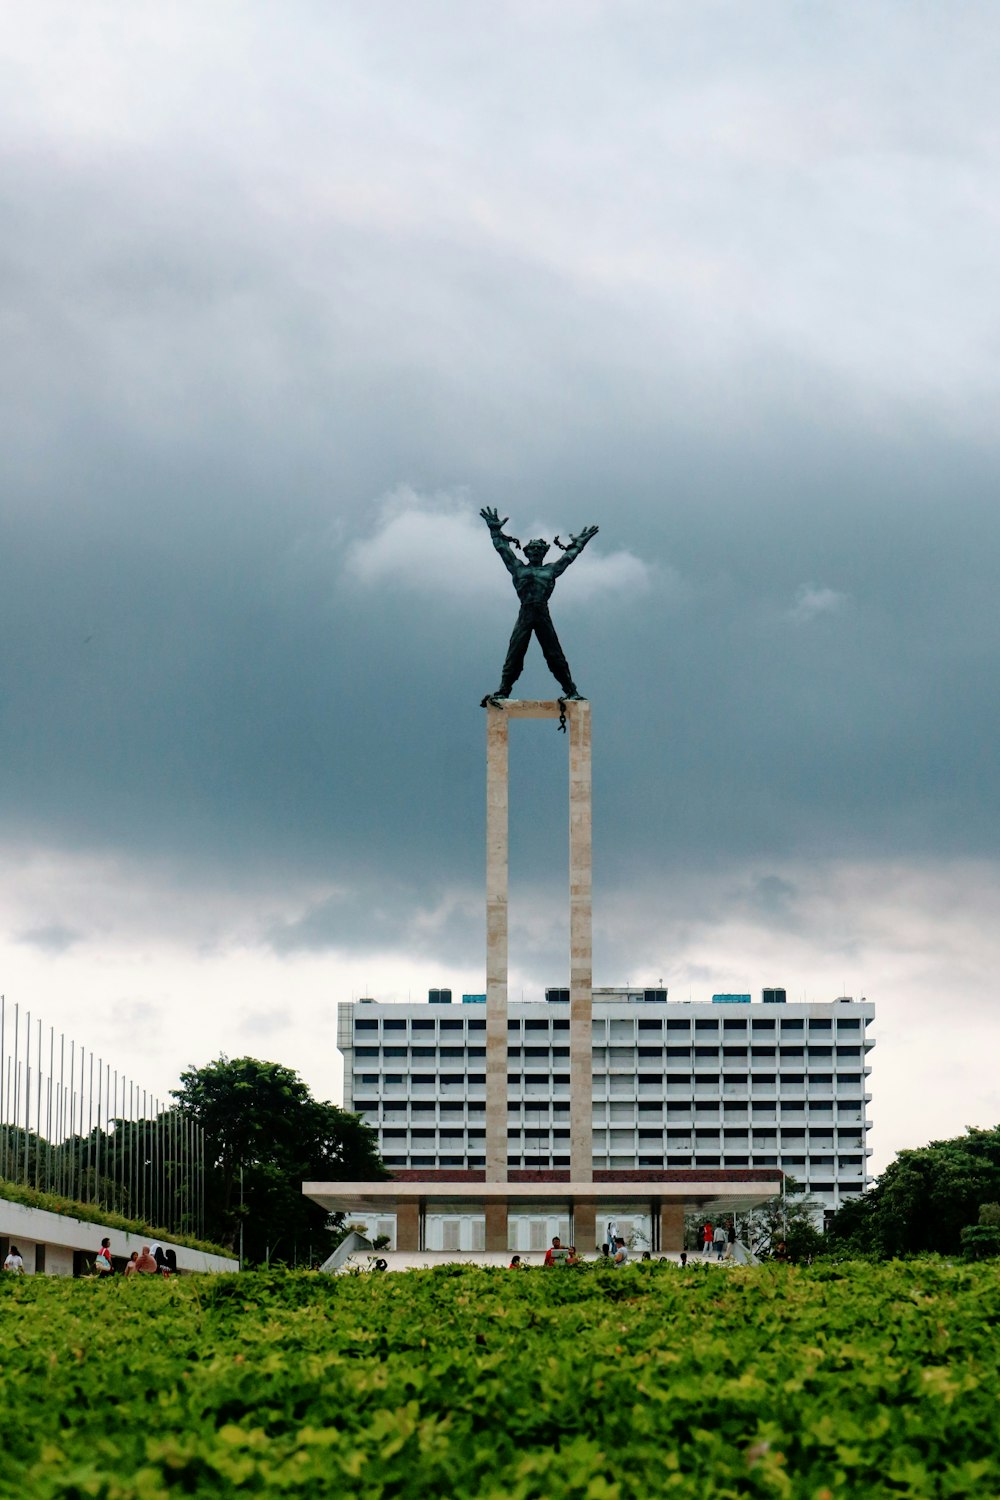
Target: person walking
731, 1239
706, 1238
102, 1260
719, 1240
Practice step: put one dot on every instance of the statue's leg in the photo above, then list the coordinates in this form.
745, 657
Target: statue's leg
514, 663
553, 653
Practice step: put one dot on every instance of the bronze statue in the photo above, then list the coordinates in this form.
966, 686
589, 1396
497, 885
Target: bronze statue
534, 581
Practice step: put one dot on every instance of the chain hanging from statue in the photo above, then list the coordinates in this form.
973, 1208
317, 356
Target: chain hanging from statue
534, 581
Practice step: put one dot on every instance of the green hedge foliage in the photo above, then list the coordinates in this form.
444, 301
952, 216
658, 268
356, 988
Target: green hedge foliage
816, 1382
91, 1213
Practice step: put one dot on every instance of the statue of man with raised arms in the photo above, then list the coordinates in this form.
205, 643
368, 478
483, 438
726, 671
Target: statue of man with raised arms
534, 581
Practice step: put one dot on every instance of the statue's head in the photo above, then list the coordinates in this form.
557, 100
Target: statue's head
535, 550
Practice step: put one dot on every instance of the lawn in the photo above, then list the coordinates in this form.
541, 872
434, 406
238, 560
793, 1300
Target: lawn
823, 1382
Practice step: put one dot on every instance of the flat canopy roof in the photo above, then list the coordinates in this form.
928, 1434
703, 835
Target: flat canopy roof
386, 1197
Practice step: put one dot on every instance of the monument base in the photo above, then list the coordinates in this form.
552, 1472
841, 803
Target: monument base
664, 1199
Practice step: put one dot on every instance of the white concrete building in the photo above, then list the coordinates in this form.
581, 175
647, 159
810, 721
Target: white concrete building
704, 1085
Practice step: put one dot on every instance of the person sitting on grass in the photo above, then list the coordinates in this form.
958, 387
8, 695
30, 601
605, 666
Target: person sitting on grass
146, 1265
130, 1264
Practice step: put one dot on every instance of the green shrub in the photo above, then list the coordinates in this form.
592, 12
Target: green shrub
90, 1213
773, 1381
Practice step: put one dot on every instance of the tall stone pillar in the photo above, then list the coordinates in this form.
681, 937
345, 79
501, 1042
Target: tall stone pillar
497, 794
580, 928
580, 945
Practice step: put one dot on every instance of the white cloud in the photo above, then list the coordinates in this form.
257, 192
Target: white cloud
810, 602
438, 545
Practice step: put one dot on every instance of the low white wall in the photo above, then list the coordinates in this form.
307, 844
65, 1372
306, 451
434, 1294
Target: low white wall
403, 1260
61, 1235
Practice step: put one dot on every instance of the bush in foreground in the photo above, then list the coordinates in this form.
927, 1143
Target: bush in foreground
814, 1382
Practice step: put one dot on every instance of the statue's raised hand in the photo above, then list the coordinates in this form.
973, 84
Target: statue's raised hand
585, 535
492, 518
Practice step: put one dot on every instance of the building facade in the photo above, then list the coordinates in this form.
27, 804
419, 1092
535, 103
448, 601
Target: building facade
695, 1086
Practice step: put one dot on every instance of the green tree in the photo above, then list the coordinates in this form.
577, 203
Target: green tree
792, 1217
264, 1136
924, 1199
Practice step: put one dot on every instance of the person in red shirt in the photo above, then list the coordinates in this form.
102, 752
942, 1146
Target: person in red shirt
557, 1254
706, 1238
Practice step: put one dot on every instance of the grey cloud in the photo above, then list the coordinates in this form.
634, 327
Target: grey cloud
221, 648
53, 937
394, 917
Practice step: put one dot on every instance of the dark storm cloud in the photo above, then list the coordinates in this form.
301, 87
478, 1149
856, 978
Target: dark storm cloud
700, 318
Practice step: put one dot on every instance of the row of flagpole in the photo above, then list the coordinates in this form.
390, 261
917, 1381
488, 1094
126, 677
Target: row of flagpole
72, 1125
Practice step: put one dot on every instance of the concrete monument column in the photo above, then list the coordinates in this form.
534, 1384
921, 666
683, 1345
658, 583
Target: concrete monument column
581, 1087
497, 794
498, 717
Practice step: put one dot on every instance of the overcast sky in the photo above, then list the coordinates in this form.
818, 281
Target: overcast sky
287, 293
